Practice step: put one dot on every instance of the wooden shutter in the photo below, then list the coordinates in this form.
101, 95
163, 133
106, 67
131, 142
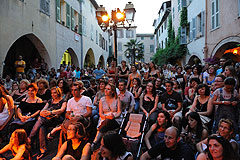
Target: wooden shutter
72, 19
79, 23
58, 18
68, 22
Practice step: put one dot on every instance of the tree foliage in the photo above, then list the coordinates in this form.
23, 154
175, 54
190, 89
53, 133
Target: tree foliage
173, 51
134, 46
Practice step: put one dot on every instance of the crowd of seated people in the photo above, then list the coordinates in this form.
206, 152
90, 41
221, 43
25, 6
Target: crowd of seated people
191, 113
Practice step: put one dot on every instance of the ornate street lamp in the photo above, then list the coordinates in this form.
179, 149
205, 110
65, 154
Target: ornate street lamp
117, 19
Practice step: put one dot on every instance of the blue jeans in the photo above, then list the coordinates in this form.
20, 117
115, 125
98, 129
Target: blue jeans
136, 107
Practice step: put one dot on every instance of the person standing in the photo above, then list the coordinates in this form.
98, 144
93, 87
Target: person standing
20, 65
98, 73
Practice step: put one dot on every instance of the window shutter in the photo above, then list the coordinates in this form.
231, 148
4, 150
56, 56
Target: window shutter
72, 19
184, 3
194, 28
183, 39
191, 33
58, 11
79, 23
68, 15
202, 22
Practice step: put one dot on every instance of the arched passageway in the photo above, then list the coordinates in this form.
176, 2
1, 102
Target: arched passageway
101, 61
228, 48
194, 60
89, 60
70, 57
29, 47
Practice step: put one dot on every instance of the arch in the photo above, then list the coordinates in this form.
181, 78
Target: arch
227, 43
89, 60
30, 47
70, 56
194, 60
101, 61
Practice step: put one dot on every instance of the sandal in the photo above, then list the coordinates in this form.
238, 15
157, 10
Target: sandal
41, 155
49, 136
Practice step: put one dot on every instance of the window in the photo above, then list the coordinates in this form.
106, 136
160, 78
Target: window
151, 48
215, 14
151, 37
106, 45
119, 46
96, 37
173, 13
44, 6
72, 19
68, 15
142, 38
129, 33
58, 17
79, 23
165, 42
100, 40
238, 7
120, 33
179, 5
91, 32
194, 28
162, 28
183, 38
165, 24
84, 26
200, 24
91, 8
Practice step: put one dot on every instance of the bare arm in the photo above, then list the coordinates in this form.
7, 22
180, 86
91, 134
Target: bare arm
209, 108
129, 80
148, 135
155, 105
86, 152
61, 152
5, 149
119, 109
145, 156
202, 156
20, 153
141, 104
89, 112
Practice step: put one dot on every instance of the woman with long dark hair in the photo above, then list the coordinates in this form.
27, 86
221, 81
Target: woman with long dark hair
113, 148
63, 85
218, 149
156, 133
195, 132
149, 102
136, 90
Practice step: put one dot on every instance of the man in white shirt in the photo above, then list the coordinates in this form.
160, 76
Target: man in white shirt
79, 107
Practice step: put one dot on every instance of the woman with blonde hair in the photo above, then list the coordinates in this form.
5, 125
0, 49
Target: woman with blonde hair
50, 116
21, 93
109, 112
19, 145
43, 89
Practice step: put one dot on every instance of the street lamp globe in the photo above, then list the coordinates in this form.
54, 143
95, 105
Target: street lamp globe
129, 12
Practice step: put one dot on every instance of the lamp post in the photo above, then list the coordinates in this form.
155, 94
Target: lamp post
118, 18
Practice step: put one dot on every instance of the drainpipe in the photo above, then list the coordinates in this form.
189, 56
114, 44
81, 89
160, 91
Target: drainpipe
81, 39
205, 46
